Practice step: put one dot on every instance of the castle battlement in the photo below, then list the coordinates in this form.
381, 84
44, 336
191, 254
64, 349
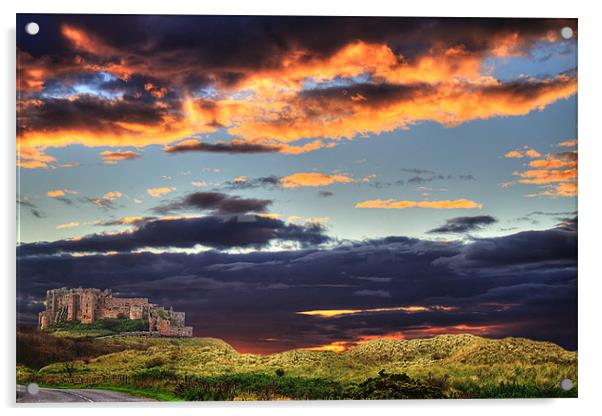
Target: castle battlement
87, 305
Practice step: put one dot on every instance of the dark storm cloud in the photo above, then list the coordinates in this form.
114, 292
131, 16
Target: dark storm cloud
216, 202
523, 90
554, 214
419, 180
273, 36
222, 147
90, 113
261, 182
418, 171
532, 217
529, 288
64, 200
35, 211
464, 224
375, 95
215, 232
554, 246
109, 81
421, 177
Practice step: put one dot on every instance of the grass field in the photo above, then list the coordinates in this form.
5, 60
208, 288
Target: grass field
101, 327
210, 369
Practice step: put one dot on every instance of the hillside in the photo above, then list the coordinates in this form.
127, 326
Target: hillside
460, 362
101, 327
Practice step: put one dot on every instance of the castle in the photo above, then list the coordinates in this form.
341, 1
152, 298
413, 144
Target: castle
89, 305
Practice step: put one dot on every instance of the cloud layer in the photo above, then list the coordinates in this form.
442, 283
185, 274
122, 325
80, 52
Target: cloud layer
215, 232
216, 202
555, 174
320, 78
464, 224
523, 284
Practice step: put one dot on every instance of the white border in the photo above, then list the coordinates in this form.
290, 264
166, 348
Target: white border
590, 291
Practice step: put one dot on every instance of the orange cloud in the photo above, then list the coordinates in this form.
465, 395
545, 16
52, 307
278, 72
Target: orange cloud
514, 154
565, 189
297, 180
67, 225
273, 216
421, 332
56, 193
113, 157
308, 147
269, 108
334, 313
519, 154
113, 195
393, 204
556, 174
332, 114
32, 158
114, 130
86, 42
157, 192
532, 153
342, 346
430, 331
129, 220
157, 92
107, 198
544, 176
335, 346
556, 161
560, 190
568, 143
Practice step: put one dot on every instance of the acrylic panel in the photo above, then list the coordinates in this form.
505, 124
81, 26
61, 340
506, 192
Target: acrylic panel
295, 208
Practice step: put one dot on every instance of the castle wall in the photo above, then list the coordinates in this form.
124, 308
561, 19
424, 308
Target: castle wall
89, 304
180, 331
163, 327
43, 320
72, 306
137, 311
131, 308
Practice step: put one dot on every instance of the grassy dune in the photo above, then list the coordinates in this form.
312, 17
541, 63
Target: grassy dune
458, 365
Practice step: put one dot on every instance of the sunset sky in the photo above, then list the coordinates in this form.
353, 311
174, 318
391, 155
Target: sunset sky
304, 182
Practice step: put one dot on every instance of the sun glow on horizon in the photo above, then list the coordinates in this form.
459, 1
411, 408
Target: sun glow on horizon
333, 313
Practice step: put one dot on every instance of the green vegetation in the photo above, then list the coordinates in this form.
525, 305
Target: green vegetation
36, 349
258, 387
393, 386
102, 327
455, 366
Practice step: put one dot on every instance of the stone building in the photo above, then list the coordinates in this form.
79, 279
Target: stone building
88, 305
166, 322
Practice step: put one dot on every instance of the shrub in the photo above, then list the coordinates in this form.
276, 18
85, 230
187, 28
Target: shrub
259, 386
393, 386
69, 369
512, 391
279, 372
121, 324
36, 349
155, 362
155, 373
